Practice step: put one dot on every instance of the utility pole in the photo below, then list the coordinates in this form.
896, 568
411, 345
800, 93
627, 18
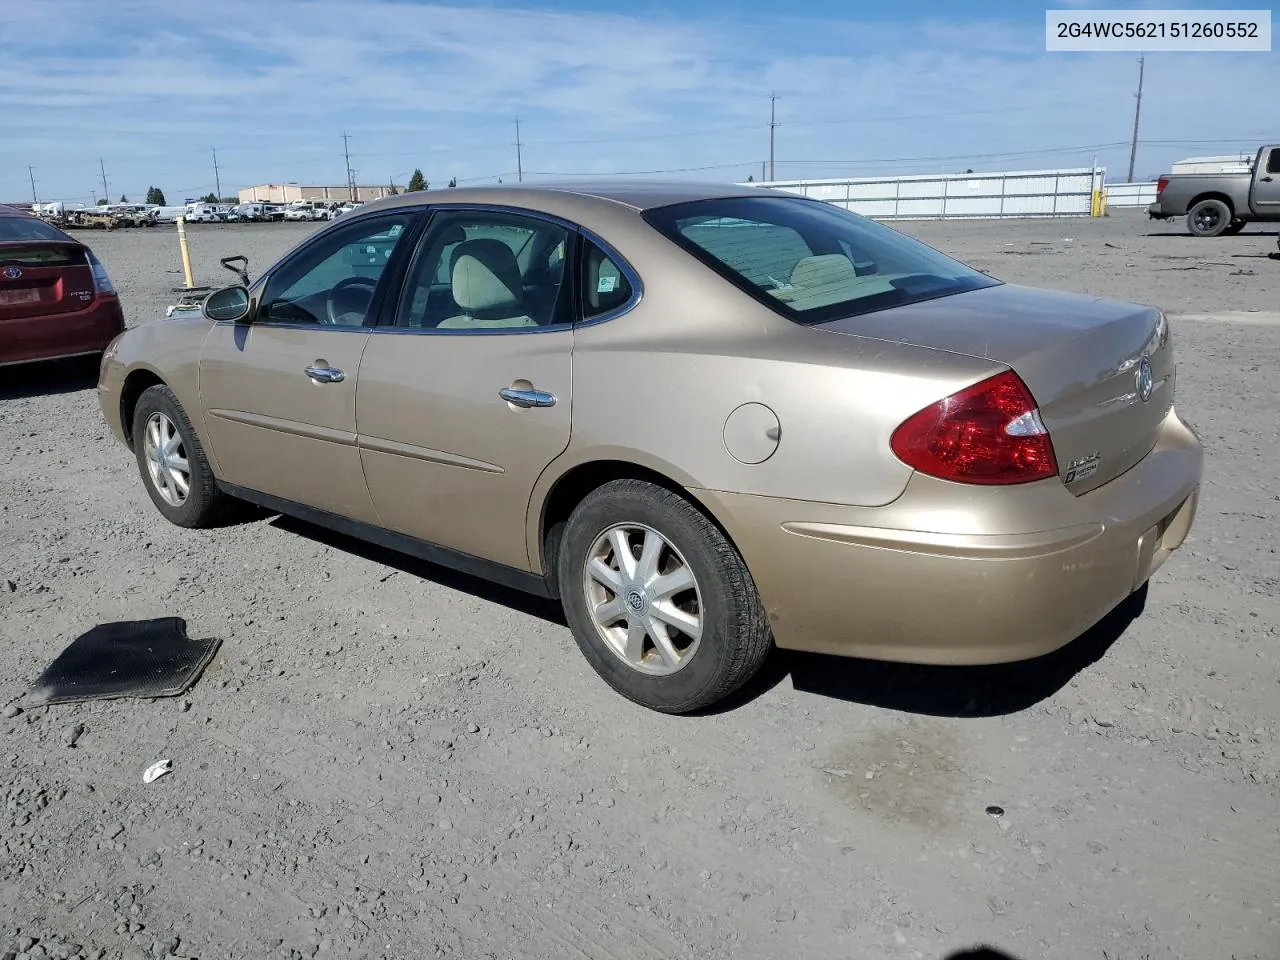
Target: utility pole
1137, 113
773, 102
105, 192
35, 201
217, 178
346, 152
764, 169
519, 155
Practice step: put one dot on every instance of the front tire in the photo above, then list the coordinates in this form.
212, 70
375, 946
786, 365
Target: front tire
172, 462
658, 599
1209, 218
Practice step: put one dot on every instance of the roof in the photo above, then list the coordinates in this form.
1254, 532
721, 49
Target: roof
637, 194
8, 211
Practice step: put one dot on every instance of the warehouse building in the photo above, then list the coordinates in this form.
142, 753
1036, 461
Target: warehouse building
289, 192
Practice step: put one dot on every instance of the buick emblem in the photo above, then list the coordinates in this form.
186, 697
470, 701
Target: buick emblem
635, 600
1146, 384
12, 273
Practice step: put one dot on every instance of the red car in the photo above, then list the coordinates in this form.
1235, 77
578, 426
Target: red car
56, 299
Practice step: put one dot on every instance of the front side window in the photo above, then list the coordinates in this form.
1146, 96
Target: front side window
1273, 161
605, 287
486, 271
812, 261
332, 283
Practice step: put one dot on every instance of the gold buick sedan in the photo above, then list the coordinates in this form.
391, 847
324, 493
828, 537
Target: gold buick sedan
710, 420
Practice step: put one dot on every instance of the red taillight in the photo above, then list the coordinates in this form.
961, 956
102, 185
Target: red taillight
1161, 184
988, 433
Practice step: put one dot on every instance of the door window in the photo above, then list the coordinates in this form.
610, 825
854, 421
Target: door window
479, 271
1273, 162
332, 283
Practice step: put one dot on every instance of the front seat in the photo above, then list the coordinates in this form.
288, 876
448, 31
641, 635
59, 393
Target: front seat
487, 287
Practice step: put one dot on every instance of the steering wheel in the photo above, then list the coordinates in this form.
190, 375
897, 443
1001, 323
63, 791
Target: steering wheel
349, 295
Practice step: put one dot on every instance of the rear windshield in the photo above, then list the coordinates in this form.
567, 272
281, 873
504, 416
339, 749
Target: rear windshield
812, 261
28, 228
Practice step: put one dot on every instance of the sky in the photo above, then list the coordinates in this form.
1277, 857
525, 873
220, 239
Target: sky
148, 89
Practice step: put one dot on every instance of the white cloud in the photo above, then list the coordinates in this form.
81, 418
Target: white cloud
151, 86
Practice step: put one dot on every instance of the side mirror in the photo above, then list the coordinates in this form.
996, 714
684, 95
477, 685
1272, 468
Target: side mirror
229, 303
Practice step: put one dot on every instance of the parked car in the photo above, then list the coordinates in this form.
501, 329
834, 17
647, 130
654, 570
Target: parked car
309, 210
56, 298
708, 420
202, 213
1218, 204
249, 212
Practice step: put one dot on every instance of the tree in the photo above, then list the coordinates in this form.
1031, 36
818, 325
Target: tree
751, 178
209, 198
453, 181
102, 201
417, 182
123, 198
156, 195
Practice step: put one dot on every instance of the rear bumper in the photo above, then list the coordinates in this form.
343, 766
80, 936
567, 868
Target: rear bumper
1156, 212
52, 337
953, 575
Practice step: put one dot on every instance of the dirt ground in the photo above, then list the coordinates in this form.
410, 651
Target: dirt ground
389, 760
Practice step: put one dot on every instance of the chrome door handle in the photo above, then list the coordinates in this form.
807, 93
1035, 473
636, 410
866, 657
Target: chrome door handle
527, 398
326, 374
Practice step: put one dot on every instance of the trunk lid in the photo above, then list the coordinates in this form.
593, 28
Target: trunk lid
43, 277
1102, 371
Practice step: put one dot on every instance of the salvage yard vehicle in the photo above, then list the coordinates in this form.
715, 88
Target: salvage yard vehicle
1222, 204
56, 298
309, 210
708, 420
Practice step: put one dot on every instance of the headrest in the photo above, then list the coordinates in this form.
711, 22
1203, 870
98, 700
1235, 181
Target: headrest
486, 276
822, 271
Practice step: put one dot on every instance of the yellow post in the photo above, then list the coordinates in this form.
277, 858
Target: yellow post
186, 253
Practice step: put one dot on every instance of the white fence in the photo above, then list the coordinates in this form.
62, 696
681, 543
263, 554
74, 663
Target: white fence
1022, 193
1130, 194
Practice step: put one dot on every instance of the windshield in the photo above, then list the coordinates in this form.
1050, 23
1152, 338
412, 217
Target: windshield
809, 260
27, 229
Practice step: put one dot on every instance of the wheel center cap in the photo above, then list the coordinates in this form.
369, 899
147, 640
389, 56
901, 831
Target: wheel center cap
637, 601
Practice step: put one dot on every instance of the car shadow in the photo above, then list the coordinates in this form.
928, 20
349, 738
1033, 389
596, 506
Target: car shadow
509, 597
981, 953
49, 377
978, 691
971, 691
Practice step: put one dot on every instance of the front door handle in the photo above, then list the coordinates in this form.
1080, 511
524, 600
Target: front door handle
527, 398
326, 374
1266, 179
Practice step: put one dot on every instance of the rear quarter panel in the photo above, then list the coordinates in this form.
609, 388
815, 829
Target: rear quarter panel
656, 386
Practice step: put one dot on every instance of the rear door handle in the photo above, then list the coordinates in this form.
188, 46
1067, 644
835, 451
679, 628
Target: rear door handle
326, 374
527, 398
1266, 179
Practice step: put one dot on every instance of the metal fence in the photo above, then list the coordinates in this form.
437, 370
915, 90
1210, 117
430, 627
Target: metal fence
1130, 194
1022, 193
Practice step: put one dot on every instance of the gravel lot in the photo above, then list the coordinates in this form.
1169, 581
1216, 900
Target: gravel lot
388, 760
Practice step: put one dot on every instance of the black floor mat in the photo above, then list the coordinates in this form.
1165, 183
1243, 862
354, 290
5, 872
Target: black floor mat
134, 658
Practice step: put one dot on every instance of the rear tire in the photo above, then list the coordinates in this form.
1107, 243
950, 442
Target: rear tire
675, 626
1209, 218
173, 464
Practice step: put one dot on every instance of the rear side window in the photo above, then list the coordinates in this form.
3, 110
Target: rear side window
812, 261
1273, 161
28, 228
605, 287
